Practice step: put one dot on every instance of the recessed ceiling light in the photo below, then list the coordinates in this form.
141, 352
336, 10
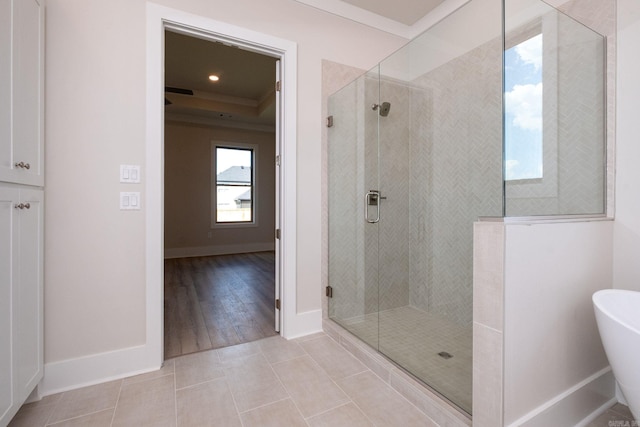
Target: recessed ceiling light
214, 78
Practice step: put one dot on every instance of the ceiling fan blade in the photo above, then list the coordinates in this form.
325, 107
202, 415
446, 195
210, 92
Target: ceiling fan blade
178, 90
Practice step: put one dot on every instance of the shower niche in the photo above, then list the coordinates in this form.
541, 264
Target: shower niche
417, 152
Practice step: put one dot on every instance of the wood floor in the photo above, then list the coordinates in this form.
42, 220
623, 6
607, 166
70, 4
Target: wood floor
217, 301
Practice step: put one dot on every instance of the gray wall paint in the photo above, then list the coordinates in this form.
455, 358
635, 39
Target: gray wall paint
188, 189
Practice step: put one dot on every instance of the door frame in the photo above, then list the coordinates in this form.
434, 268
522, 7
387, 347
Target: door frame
160, 18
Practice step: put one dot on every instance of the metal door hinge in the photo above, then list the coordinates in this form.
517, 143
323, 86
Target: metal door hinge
277, 233
278, 160
278, 304
278, 86
329, 292
329, 121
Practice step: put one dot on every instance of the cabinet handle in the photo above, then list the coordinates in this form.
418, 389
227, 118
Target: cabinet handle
23, 206
23, 165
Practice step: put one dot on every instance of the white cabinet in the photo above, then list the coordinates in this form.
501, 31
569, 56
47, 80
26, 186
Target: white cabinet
22, 91
21, 201
21, 295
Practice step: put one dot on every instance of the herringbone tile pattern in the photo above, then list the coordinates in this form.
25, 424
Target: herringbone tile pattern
458, 176
574, 120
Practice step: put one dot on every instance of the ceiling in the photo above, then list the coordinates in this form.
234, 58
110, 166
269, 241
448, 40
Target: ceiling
245, 96
404, 18
407, 12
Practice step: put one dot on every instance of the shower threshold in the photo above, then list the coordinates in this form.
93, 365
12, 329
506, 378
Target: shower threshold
436, 351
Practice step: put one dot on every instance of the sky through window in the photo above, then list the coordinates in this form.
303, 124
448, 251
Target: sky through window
523, 110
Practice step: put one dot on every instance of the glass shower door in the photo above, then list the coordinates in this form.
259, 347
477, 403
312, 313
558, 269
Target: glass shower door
354, 207
440, 168
415, 158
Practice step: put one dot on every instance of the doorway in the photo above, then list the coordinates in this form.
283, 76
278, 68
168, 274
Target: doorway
220, 192
159, 18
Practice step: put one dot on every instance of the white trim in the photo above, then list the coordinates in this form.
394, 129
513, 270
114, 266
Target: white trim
379, 22
547, 185
218, 250
563, 407
161, 17
219, 123
95, 369
301, 324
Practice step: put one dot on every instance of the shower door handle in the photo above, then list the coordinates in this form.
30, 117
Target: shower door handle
372, 198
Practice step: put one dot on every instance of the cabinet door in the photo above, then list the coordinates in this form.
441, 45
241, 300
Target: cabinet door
21, 296
5, 88
28, 298
22, 155
8, 229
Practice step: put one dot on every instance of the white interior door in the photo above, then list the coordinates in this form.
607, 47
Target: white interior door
277, 204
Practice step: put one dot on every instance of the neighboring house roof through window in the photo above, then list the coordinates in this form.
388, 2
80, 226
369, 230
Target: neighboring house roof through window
246, 196
235, 175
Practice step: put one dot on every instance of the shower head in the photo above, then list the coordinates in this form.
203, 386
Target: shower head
383, 108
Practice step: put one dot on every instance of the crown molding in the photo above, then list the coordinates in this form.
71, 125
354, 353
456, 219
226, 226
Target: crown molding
365, 17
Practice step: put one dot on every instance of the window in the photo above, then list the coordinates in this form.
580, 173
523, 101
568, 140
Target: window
234, 185
523, 110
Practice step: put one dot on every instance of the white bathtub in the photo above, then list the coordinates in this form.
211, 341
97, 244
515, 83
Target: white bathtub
618, 316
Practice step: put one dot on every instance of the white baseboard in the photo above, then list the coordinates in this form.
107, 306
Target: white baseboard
218, 250
85, 371
95, 369
302, 324
575, 407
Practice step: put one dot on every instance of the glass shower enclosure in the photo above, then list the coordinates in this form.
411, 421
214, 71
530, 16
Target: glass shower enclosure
415, 156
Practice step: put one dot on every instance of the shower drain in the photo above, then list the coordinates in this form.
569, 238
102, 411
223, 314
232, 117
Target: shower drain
445, 355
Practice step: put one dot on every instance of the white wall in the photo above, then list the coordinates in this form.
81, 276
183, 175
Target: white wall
537, 355
626, 269
552, 348
95, 74
95, 112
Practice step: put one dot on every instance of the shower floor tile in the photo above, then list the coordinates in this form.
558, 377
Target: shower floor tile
414, 339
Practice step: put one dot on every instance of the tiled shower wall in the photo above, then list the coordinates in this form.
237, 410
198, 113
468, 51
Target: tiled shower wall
345, 236
368, 276
456, 155
574, 124
600, 15
395, 178
439, 168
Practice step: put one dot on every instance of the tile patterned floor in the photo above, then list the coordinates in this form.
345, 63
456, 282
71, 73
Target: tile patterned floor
310, 382
616, 416
413, 338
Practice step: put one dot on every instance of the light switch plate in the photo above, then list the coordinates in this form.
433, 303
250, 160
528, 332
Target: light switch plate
129, 201
130, 174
